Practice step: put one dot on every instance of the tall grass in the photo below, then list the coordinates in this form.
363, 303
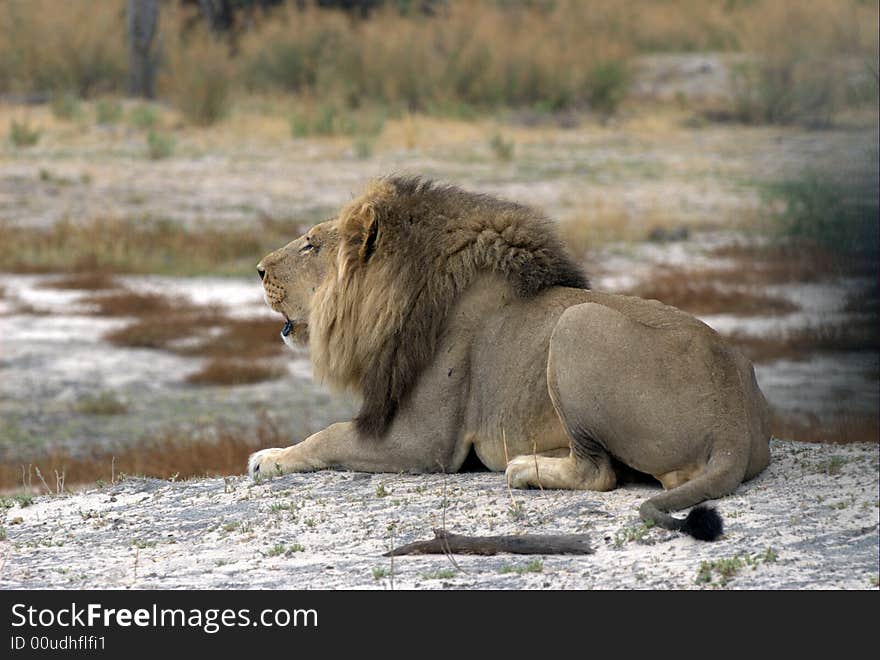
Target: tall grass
144, 245
51, 46
462, 57
808, 61
473, 54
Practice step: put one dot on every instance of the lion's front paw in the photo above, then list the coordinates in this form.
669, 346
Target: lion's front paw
266, 463
522, 473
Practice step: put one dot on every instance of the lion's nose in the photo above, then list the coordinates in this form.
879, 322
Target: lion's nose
261, 272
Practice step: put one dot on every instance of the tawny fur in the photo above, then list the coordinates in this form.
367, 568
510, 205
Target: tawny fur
408, 248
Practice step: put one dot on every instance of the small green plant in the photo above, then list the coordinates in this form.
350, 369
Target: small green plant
628, 534
834, 465
2, 533
108, 111
516, 510
143, 116
380, 490
277, 549
22, 134
278, 507
534, 566
66, 107
22, 499
143, 543
726, 569
439, 575
380, 572
104, 403
501, 147
159, 145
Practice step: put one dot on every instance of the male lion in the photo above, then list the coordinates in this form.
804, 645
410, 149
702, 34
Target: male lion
463, 324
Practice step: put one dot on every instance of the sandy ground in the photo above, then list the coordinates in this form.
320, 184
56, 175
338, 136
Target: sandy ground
810, 521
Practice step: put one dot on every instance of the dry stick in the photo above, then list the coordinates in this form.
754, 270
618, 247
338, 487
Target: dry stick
447, 551
392, 558
526, 544
40, 476
507, 462
7, 550
535, 454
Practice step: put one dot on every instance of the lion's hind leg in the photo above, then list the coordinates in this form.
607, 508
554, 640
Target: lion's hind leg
569, 473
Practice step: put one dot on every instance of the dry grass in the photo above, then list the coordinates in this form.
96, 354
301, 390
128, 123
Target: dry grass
250, 338
86, 281
465, 55
173, 324
858, 335
812, 59
161, 332
63, 47
113, 245
132, 303
786, 262
235, 372
837, 430
217, 450
709, 292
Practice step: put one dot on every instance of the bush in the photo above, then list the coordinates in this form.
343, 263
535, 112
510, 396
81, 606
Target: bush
66, 106
143, 116
502, 148
21, 134
108, 111
838, 215
606, 86
159, 145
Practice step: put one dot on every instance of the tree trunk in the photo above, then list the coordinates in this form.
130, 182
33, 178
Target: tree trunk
143, 23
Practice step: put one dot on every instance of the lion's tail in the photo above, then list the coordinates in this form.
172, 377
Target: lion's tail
721, 477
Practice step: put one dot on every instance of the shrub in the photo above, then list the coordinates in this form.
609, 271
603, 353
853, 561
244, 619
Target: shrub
66, 106
606, 85
108, 111
502, 148
22, 134
159, 145
143, 116
839, 215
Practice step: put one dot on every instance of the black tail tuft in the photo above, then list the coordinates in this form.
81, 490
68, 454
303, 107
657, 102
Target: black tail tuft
703, 523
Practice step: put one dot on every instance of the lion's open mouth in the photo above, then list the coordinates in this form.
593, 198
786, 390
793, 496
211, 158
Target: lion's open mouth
288, 327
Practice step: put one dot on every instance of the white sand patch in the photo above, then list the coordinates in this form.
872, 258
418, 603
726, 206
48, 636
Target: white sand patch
810, 521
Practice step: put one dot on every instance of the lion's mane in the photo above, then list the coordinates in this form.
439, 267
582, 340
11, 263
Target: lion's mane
407, 250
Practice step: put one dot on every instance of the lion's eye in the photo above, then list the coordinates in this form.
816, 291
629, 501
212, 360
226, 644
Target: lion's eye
309, 248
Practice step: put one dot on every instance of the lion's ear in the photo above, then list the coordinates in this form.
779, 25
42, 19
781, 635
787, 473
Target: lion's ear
369, 232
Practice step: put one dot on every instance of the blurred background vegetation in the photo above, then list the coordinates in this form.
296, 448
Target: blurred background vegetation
338, 60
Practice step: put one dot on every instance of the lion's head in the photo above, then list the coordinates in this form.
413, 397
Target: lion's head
375, 285
292, 275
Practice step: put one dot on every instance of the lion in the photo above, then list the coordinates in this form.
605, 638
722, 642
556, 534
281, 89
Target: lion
464, 326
